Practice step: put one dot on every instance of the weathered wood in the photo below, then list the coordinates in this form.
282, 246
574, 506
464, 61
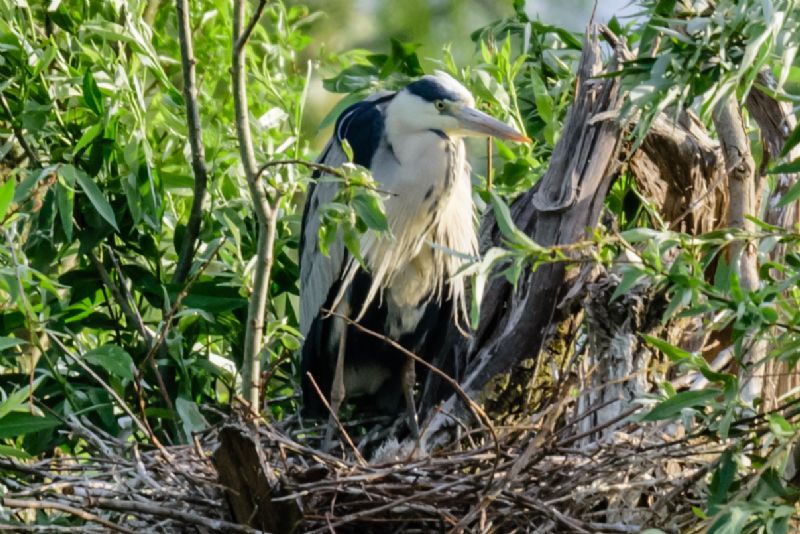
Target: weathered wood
680, 168
250, 482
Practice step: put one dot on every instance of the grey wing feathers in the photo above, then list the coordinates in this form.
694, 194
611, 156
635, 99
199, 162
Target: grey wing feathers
318, 272
362, 125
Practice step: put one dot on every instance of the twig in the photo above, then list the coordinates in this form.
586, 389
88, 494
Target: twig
251, 25
167, 321
120, 402
215, 525
131, 315
148, 336
489, 173
327, 169
310, 164
61, 507
195, 143
342, 430
34, 159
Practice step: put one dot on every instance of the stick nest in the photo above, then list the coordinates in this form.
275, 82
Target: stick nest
542, 476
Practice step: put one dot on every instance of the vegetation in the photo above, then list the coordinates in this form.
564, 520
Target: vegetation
138, 243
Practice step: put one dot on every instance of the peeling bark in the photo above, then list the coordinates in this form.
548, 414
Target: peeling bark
679, 168
250, 482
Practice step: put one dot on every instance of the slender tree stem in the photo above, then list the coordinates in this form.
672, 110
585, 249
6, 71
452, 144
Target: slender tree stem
195, 142
742, 185
266, 215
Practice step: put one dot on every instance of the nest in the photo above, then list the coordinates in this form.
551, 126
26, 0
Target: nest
542, 476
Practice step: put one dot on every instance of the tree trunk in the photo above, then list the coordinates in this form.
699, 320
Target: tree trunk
568, 199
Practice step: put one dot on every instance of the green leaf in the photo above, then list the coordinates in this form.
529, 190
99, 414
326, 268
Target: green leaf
8, 451
113, 359
637, 235
732, 522
65, 196
88, 136
8, 342
368, 208
507, 227
787, 168
780, 426
18, 399
791, 141
791, 195
91, 93
672, 352
6, 196
347, 149
721, 482
686, 399
21, 423
191, 419
353, 243
629, 279
72, 174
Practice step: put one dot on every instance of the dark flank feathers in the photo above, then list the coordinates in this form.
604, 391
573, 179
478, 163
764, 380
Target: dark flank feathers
319, 353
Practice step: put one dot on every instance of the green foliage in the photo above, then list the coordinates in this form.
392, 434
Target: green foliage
696, 54
94, 216
94, 206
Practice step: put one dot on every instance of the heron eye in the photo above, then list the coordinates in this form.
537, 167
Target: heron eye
439, 105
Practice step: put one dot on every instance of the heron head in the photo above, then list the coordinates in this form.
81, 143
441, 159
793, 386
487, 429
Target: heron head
438, 102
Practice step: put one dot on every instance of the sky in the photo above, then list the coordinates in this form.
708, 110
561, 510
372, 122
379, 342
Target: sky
574, 14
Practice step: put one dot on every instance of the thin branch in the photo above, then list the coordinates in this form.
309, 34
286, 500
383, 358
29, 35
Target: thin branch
167, 322
195, 142
740, 167
248, 31
489, 171
310, 164
130, 313
34, 159
327, 169
114, 395
214, 525
342, 430
162, 388
61, 507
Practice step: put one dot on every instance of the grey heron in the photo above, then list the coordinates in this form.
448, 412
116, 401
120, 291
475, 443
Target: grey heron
410, 291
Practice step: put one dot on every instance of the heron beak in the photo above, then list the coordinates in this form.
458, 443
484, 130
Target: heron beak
477, 123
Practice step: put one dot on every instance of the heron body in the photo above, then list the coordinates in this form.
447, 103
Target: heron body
410, 291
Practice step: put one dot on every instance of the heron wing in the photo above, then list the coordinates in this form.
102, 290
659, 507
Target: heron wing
362, 126
317, 271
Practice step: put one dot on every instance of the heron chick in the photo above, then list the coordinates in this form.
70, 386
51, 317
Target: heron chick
410, 292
